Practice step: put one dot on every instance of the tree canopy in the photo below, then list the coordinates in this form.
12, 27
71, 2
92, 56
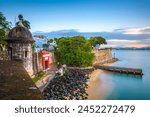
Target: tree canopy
74, 51
50, 41
48, 44
4, 29
97, 40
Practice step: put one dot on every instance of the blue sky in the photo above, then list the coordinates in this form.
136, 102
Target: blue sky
83, 15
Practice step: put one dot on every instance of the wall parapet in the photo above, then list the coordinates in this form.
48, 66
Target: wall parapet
102, 55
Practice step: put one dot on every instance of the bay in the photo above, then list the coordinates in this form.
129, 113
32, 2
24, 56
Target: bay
129, 87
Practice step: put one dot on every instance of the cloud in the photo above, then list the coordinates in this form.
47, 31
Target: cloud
65, 31
136, 37
123, 41
128, 43
137, 45
143, 30
128, 37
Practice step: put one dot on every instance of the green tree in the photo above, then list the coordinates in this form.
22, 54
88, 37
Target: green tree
74, 51
50, 41
4, 29
24, 22
46, 46
97, 40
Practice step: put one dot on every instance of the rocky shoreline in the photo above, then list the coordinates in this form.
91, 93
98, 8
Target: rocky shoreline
71, 86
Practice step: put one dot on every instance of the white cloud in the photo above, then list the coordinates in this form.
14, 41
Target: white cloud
125, 43
143, 30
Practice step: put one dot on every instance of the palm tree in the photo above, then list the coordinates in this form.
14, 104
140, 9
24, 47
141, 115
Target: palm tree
45, 46
4, 24
24, 22
4, 29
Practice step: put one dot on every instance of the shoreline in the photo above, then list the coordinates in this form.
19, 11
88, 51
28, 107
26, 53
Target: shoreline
82, 79
97, 90
94, 85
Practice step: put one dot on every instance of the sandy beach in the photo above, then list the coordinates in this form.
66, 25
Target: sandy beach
97, 88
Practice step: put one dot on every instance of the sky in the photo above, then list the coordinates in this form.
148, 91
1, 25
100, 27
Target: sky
121, 16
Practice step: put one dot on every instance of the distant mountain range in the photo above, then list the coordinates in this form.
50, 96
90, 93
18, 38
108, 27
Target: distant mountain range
107, 35
66, 33
113, 38
132, 48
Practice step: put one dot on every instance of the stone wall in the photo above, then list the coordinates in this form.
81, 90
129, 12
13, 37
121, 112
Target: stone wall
37, 61
102, 55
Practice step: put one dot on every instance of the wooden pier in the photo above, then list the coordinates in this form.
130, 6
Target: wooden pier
133, 71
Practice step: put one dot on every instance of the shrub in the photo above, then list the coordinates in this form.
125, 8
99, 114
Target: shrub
38, 76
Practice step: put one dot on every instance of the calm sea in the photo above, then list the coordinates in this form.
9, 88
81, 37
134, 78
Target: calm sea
129, 87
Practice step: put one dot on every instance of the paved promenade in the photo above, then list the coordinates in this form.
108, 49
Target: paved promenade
15, 83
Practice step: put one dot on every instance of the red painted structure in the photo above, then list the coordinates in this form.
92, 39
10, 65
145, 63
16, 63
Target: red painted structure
45, 60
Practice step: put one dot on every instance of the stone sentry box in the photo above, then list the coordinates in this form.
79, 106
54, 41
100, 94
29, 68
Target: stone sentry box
20, 42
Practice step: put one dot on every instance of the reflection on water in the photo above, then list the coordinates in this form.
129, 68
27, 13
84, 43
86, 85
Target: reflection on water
97, 88
125, 86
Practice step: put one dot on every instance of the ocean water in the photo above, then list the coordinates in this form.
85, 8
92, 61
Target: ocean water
129, 87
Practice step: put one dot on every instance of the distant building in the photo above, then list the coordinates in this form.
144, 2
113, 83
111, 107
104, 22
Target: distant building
41, 42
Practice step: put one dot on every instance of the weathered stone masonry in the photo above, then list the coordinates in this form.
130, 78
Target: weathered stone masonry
20, 42
102, 55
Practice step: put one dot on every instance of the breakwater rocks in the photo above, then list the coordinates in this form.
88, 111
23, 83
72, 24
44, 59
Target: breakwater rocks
71, 86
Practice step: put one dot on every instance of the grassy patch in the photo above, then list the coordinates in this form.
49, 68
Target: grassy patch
38, 76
